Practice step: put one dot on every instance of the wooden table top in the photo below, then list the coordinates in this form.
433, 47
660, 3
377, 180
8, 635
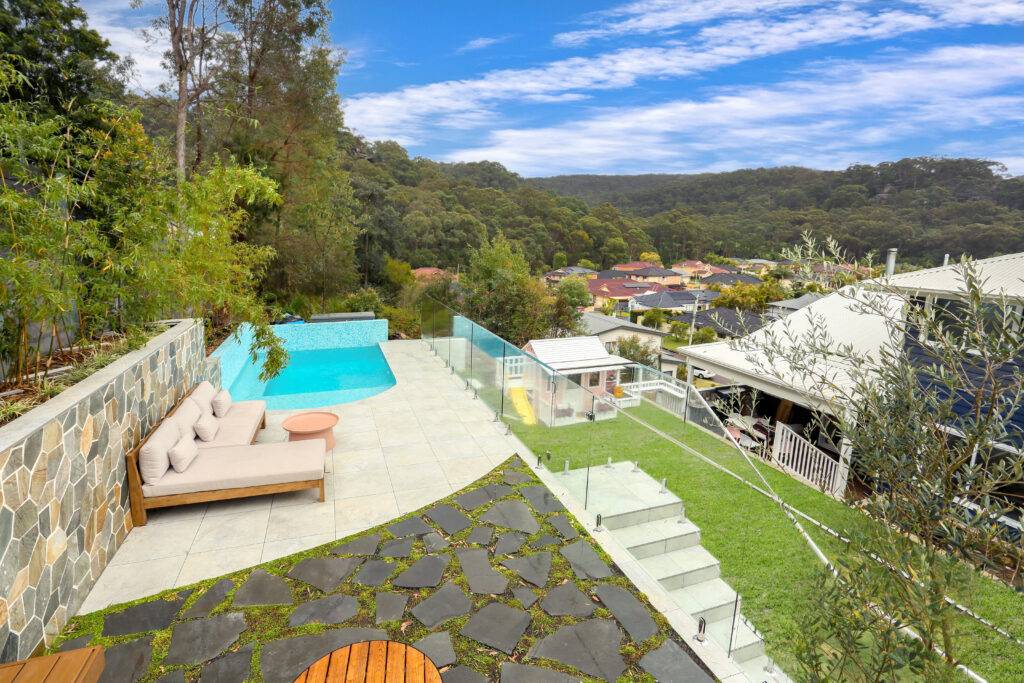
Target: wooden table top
373, 661
74, 666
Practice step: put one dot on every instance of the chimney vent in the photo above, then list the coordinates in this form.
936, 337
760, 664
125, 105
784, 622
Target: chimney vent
890, 262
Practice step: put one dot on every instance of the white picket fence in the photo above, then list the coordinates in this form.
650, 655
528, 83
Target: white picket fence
807, 462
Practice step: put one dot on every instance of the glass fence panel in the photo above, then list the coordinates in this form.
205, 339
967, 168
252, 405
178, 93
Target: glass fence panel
487, 368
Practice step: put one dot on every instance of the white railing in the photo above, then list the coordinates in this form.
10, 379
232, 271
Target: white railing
807, 462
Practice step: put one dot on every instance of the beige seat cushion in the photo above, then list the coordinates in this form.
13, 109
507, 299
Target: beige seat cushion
233, 467
153, 459
239, 426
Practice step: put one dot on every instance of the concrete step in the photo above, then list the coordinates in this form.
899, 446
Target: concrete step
745, 644
681, 568
762, 669
713, 599
658, 537
622, 495
669, 510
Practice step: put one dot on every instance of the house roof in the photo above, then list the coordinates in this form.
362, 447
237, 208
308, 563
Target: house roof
675, 298
1000, 275
726, 322
622, 289
653, 271
634, 265
575, 354
598, 323
843, 316
797, 303
612, 275
731, 279
569, 270
428, 272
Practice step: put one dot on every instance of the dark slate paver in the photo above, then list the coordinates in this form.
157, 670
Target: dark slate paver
512, 514
671, 664
74, 643
449, 518
480, 535
146, 616
367, 545
414, 526
523, 673
263, 589
585, 562
591, 646
630, 612
281, 660
482, 577
325, 573
399, 547
498, 626
425, 572
176, 676
509, 542
449, 601
514, 478
434, 541
374, 572
564, 527
213, 596
438, 647
234, 667
462, 674
526, 596
333, 609
542, 500
567, 600
471, 500
390, 606
544, 540
127, 662
532, 568
194, 642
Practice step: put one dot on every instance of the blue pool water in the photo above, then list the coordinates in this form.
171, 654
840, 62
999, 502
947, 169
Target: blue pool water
329, 363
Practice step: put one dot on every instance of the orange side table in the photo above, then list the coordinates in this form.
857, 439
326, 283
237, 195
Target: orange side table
316, 424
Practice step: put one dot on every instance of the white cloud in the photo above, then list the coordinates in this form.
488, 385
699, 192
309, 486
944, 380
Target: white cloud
843, 114
482, 43
126, 29
410, 112
659, 16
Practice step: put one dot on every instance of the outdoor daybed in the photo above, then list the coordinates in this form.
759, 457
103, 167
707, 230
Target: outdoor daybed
204, 450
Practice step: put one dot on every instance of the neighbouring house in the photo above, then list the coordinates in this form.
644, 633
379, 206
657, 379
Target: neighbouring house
730, 279
757, 266
635, 265
553, 277
670, 362
576, 362
611, 274
783, 412
604, 290
426, 273
611, 330
674, 301
662, 276
726, 322
780, 309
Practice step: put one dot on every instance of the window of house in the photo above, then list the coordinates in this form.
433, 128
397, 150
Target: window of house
593, 379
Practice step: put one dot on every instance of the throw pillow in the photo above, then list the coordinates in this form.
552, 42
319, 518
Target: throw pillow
183, 453
206, 427
221, 403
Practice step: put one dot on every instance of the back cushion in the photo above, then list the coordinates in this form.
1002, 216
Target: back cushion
203, 396
187, 414
153, 458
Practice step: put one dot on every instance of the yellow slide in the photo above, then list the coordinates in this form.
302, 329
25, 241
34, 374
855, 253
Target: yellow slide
522, 405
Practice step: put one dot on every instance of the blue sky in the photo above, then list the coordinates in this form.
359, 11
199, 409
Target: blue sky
670, 86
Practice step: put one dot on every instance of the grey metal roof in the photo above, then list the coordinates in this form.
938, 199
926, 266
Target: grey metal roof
731, 279
598, 323
1000, 275
674, 298
797, 303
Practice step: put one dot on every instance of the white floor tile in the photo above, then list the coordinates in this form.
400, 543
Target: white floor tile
155, 541
206, 565
124, 582
272, 550
239, 505
358, 461
397, 457
295, 521
231, 531
358, 484
402, 437
423, 475
414, 499
364, 511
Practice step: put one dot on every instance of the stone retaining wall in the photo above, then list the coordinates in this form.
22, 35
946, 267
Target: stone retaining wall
63, 489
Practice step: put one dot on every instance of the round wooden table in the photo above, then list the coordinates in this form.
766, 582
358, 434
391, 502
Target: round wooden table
372, 661
316, 424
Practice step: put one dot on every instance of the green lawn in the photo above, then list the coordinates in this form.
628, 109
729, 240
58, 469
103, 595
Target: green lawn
761, 554
672, 343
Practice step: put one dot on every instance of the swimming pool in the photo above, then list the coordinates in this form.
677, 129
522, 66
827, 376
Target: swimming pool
329, 363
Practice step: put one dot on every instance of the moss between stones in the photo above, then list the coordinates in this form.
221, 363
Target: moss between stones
269, 623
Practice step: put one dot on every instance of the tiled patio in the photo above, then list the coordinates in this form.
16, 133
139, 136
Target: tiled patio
396, 452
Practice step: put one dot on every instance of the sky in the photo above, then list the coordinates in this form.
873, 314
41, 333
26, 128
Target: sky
679, 86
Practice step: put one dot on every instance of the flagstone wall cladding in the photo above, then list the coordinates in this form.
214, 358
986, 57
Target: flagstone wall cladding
63, 491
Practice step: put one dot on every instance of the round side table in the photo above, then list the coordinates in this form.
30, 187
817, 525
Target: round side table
377, 661
317, 424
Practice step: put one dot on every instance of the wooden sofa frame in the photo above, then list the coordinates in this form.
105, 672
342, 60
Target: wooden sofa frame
140, 503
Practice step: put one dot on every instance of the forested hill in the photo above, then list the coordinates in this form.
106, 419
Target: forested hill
924, 206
